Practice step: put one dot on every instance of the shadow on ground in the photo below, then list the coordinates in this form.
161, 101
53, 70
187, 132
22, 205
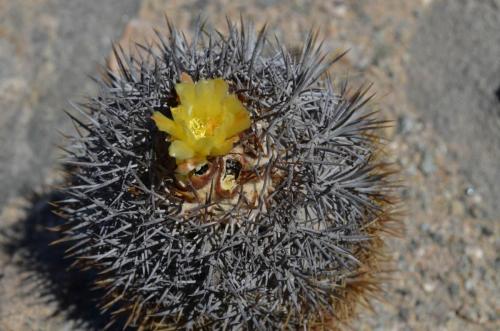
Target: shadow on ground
50, 276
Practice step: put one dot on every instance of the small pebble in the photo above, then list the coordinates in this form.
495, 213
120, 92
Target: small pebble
454, 289
457, 208
429, 287
469, 284
425, 227
474, 252
405, 124
403, 314
427, 165
486, 231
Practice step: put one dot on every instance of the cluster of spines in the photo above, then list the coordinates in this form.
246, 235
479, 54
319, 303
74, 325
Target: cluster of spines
280, 264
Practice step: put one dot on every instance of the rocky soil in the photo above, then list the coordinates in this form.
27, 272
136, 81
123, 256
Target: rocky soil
436, 70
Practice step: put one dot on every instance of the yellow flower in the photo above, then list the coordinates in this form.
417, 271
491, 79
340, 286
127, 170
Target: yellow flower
205, 123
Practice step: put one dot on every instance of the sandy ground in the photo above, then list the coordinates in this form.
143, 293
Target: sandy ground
434, 65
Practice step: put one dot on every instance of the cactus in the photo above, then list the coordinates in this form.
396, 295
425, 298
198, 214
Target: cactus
222, 182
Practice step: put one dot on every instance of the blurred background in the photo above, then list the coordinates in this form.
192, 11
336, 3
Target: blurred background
435, 65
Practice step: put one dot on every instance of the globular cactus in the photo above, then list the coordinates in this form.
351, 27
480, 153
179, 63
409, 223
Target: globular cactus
222, 182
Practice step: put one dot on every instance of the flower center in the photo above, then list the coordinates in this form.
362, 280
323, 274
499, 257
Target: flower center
198, 128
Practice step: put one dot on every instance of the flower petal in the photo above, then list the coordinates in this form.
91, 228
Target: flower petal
180, 150
165, 124
186, 94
